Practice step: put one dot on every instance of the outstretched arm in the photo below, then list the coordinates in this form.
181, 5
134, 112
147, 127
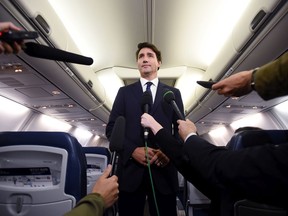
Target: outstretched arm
269, 81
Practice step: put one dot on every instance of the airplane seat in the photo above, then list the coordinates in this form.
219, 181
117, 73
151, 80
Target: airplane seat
245, 139
97, 160
248, 207
196, 202
41, 173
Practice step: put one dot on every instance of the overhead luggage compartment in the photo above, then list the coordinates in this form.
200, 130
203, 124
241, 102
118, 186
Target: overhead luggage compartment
71, 78
257, 22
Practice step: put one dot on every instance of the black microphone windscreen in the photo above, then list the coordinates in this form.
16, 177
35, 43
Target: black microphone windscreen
146, 99
41, 51
118, 135
168, 96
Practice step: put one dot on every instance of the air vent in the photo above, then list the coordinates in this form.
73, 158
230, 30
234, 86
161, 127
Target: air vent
62, 111
232, 106
64, 106
11, 82
34, 92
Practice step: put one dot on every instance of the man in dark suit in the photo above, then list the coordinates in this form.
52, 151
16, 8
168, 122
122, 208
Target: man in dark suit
143, 169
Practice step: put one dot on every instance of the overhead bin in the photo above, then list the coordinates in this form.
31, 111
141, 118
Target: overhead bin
255, 19
257, 13
77, 77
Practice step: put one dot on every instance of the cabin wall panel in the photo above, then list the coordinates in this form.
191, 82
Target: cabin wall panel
13, 116
280, 114
45, 123
263, 120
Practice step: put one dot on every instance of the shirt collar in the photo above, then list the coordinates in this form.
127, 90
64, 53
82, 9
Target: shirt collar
154, 81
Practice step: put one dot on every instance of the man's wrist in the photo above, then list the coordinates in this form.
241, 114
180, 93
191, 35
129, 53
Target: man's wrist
190, 134
252, 84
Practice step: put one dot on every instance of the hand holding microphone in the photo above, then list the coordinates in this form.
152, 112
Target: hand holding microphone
12, 38
146, 104
147, 121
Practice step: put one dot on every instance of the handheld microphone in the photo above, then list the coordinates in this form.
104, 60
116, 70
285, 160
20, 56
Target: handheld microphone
41, 51
169, 97
117, 141
146, 103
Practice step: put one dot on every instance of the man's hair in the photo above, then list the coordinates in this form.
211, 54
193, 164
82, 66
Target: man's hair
152, 47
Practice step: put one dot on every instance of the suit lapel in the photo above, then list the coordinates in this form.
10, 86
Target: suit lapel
158, 97
137, 89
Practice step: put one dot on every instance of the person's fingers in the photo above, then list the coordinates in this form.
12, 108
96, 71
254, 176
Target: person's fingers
107, 171
17, 47
8, 25
12, 26
1, 48
7, 48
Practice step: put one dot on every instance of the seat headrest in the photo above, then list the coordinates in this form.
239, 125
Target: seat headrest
251, 138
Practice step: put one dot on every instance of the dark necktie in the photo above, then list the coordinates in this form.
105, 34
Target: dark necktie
148, 85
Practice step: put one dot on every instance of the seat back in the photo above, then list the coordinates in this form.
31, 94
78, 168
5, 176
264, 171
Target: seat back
196, 202
97, 160
41, 173
248, 207
245, 139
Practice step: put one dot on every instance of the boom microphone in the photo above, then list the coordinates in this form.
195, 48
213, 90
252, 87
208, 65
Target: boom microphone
41, 51
117, 135
117, 141
146, 103
169, 97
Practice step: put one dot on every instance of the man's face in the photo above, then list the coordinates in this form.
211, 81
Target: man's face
147, 63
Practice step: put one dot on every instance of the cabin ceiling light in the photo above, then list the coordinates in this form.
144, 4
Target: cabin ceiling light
80, 120
11, 67
54, 106
56, 92
231, 106
234, 98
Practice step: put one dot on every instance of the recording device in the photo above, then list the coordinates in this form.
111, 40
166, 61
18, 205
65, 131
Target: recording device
41, 51
117, 141
169, 97
146, 103
206, 84
11, 36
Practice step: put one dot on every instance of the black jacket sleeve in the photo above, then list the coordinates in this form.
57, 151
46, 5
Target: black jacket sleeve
258, 173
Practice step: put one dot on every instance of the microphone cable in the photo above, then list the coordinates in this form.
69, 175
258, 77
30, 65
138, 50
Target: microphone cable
151, 179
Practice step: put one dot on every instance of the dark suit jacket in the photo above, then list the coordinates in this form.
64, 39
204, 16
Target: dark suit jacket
128, 104
257, 173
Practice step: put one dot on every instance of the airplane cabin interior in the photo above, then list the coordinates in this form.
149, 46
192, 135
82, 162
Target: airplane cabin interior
54, 113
